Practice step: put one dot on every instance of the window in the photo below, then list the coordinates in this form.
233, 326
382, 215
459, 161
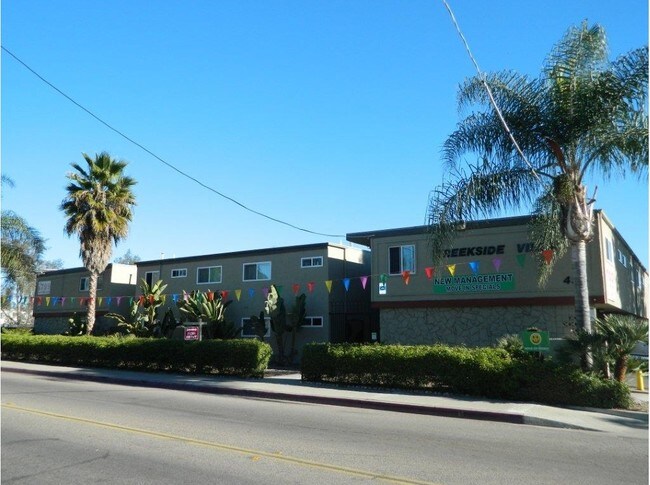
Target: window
179, 273
84, 283
248, 327
609, 249
151, 277
401, 258
208, 274
313, 322
311, 262
622, 258
257, 271
44, 287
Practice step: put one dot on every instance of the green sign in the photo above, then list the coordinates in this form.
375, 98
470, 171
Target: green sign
535, 340
476, 283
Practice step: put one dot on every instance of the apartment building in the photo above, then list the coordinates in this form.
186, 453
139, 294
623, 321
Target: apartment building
487, 283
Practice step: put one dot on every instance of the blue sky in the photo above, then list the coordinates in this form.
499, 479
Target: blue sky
329, 115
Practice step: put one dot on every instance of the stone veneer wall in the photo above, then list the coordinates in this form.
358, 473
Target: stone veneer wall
59, 325
471, 326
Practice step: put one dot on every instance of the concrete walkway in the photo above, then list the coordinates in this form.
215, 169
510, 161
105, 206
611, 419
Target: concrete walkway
289, 387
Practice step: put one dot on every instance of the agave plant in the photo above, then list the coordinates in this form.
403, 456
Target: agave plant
210, 308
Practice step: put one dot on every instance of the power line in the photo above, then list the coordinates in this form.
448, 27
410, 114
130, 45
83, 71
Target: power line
173, 167
489, 91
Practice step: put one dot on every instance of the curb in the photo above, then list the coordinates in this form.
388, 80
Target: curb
512, 418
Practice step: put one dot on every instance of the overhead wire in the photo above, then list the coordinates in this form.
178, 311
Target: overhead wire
482, 77
160, 159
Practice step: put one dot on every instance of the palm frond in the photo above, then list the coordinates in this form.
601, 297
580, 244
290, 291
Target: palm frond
487, 189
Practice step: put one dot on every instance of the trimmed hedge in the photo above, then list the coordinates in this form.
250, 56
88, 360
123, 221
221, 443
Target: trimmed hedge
245, 357
485, 372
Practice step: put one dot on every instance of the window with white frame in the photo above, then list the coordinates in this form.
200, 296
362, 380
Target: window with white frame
257, 271
179, 273
609, 249
622, 258
44, 287
248, 327
151, 277
401, 258
84, 283
311, 262
208, 274
312, 322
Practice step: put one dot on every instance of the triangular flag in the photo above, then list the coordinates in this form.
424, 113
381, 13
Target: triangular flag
474, 266
430, 271
279, 289
521, 260
47, 301
310, 286
100, 299
251, 292
62, 300
346, 283
364, 280
72, 299
383, 278
548, 255
39, 300
265, 291
238, 294
328, 283
496, 262
406, 276
109, 299
224, 294
210, 295
175, 297
296, 288
451, 268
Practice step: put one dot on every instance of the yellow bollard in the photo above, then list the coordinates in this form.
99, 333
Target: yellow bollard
639, 380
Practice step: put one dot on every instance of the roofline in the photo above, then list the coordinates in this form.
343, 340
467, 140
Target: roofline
249, 252
364, 238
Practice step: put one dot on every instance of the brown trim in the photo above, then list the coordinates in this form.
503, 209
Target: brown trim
493, 302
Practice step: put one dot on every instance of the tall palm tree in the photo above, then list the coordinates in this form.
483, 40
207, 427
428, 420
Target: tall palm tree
98, 207
583, 114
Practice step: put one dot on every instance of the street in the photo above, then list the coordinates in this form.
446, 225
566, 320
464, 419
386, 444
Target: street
66, 431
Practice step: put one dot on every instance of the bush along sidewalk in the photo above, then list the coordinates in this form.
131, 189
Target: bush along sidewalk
245, 358
485, 372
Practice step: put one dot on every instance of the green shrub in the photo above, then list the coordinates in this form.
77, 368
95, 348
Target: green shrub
227, 357
485, 372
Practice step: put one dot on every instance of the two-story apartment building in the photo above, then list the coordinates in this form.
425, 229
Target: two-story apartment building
333, 278
487, 283
62, 293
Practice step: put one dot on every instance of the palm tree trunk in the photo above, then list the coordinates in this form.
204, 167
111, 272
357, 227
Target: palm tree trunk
620, 368
92, 293
582, 314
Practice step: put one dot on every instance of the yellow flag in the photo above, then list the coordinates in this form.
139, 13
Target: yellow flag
328, 283
238, 294
451, 268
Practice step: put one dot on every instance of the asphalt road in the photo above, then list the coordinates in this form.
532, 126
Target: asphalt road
73, 432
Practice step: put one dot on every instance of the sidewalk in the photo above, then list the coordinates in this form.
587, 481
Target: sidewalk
289, 387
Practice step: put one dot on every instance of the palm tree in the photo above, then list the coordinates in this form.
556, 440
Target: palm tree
583, 114
621, 333
21, 251
98, 207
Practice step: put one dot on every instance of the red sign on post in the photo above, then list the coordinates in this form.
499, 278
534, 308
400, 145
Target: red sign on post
191, 333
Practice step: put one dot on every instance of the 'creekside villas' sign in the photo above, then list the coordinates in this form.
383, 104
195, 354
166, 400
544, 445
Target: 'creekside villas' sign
474, 283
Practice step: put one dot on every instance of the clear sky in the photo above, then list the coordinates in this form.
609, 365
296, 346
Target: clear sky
327, 114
